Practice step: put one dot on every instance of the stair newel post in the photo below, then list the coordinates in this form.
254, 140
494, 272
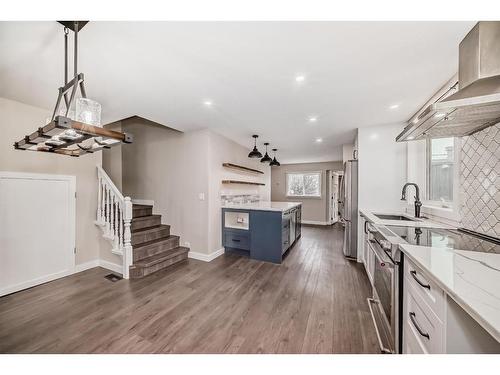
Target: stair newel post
127, 248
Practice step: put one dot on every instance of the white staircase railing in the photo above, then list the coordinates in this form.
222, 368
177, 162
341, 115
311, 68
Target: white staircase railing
114, 216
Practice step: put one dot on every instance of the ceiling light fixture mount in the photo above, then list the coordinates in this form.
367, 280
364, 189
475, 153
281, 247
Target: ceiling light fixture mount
300, 78
255, 153
266, 158
274, 162
63, 131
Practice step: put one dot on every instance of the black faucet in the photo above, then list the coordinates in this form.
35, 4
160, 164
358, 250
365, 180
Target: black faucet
418, 204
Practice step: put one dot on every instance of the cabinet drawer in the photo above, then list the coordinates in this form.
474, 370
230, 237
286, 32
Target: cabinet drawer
412, 344
237, 241
431, 294
420, 322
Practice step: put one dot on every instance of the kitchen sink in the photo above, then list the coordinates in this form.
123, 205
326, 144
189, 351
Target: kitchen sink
394, 217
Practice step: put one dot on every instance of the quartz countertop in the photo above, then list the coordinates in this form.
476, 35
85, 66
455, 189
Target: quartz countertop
421, 222
263, 206
470, 278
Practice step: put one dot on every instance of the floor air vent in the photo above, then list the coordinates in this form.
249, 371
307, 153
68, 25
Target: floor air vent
112, 277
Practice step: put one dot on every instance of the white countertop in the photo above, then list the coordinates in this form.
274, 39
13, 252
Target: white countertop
422, 223
264, 206
470, 278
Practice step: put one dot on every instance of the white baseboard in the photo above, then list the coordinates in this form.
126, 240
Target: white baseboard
111, 266
86, 266
206, 257
98, 263
312, 222
146, 202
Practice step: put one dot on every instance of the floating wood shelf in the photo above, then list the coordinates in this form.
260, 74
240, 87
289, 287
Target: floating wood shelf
242, 182
241, 168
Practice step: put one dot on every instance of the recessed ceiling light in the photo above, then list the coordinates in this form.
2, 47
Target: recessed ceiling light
208, 103
300, 78
411, 137
394, 106
319, 140
313, 119
415, 120
440, 114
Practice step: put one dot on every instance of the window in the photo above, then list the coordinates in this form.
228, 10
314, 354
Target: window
441, 170
307, 184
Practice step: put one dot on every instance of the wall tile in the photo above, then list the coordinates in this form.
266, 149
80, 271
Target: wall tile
480, 183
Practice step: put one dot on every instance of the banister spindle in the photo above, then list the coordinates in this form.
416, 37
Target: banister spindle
99, 193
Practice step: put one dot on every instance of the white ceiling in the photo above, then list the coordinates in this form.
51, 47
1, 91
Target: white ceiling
164, 71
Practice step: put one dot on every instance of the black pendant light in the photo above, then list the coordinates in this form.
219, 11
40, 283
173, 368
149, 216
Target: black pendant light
255, 153
274, 162
266, 158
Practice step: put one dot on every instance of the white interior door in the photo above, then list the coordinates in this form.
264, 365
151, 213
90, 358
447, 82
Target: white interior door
37, 229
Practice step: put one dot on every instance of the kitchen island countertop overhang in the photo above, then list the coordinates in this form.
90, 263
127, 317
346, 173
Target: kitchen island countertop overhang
263, 206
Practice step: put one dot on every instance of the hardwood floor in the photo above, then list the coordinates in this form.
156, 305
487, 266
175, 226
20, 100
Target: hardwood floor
315, 302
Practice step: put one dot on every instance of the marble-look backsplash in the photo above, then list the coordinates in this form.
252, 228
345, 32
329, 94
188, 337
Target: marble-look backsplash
239, 198
480, 181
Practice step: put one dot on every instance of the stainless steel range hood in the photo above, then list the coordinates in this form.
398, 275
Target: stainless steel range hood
476, 105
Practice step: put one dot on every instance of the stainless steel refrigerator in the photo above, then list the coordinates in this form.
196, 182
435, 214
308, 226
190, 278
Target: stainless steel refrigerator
348, 205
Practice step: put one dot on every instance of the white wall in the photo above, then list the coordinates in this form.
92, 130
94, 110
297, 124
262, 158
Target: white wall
347, 152
382, 171
382, 167
16, 121
224, 150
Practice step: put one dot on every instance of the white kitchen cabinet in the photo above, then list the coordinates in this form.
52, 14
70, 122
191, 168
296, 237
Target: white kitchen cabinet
434, 323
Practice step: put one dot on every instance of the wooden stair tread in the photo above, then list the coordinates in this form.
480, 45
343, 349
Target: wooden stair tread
148, 217
151, 229
157, 241
141, 206
161, 257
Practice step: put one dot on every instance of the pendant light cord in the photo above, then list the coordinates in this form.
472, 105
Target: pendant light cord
66, 32
76, 50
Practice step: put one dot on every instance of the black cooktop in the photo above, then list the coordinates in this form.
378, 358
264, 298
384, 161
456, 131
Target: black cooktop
460, 239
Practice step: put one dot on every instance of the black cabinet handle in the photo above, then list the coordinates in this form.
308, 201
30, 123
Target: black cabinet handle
234, 240
414, 322
414, 275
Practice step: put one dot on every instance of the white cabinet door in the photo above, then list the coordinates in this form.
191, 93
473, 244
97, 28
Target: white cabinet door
37, 229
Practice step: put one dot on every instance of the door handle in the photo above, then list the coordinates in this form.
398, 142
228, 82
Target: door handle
414, 275
415, 324
234, 240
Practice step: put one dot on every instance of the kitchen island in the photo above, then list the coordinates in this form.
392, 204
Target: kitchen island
263, 230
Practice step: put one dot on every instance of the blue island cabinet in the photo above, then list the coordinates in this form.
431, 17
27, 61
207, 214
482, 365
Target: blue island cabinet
260, 234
